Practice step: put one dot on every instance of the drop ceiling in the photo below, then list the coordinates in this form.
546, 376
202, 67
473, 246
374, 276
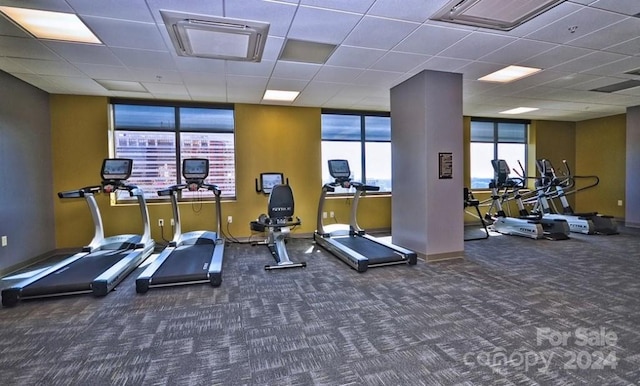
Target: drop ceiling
581, 45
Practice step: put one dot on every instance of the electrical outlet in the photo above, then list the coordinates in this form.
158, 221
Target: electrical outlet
173, 222
4, 241
619, 202
229, 219
331, 214
160, 222
324, 214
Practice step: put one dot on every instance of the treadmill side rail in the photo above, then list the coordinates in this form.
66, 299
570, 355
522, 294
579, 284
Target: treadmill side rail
215, 268
114, 275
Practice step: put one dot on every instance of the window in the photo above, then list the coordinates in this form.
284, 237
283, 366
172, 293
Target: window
159, 137
364, 139
496, 139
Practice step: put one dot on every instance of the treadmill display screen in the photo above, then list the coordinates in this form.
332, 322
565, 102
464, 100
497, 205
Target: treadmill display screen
195, 168
269, 180
339, 168
116, 168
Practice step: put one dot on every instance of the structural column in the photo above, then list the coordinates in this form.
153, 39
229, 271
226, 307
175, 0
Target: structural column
427, 165
632, 186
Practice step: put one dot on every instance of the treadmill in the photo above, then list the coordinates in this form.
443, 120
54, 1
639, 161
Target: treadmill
102, 264
350, 243
192, 257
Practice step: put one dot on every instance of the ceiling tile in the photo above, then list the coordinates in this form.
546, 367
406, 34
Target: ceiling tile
14, 47
555, 56
262, 69
115, 9
359, 6
84, 53
346, 56
584, 63
278, 15
475, 45
303, 71
209, 66
49, 67
213, 8
618, 67
344, 75
376, 78
399, 61
376, 32
8, 28
517, 51
322, 26
410, 10
126, 34
165, 88
144, 58
627, 7
610, 35
430, 39
630, 47
586, 20
99, 71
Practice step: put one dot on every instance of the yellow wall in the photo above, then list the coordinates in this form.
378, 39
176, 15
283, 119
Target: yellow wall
268, 139
287, 139
601, 150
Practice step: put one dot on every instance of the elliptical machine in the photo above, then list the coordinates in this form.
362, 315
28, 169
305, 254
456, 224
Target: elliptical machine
550, 187
526, 225
279, 220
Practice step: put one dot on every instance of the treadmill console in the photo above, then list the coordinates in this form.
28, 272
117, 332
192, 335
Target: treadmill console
339, 169
116, 169
195, 168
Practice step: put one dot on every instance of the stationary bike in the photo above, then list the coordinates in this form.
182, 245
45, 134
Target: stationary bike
277, 222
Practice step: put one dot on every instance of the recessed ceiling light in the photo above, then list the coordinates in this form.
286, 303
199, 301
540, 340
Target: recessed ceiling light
121, 85
279, 95
519, 110
509, 74
51, 25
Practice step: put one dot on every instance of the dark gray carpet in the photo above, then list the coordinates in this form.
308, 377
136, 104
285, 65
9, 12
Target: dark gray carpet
431, 324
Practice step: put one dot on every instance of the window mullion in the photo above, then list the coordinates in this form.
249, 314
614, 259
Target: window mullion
363, 150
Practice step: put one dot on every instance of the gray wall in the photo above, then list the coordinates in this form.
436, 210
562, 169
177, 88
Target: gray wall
426, 120
632, 186
26, 192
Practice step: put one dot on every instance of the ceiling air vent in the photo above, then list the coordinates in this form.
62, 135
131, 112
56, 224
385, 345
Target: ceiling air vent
215, 37
618, 86
496, 14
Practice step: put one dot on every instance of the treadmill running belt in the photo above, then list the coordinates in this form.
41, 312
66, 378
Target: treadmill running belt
185, 263
76, 276
376, 253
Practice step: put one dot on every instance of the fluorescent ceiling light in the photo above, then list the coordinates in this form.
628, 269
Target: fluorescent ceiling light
519, 110
496, 14
509, 74
279, 95
51, 25
213, 37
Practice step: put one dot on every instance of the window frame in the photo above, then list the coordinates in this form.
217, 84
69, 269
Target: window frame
496, 140
362, 140
176, 131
